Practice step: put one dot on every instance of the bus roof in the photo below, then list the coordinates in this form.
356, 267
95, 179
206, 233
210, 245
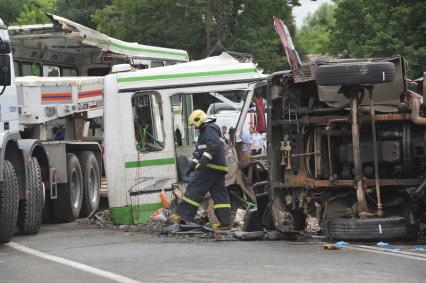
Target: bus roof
64, 33
223, 68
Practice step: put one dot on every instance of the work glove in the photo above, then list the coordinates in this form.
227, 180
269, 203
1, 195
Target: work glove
196, 155
204, 161
191, 167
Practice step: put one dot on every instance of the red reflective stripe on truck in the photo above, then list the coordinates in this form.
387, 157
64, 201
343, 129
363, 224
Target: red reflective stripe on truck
90, 93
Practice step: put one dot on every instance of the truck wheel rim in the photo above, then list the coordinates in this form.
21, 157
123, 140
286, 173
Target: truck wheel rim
75, 190
93, 185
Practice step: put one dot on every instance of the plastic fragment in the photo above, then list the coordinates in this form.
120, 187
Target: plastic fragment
419, 250
342, 244
382, 244
330, 247
391, 250
164, 199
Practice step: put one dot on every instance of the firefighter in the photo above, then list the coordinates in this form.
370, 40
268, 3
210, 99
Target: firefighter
209, 176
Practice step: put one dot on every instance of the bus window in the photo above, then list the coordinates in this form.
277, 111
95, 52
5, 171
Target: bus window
169, 63
51, 71
16, 67
148, 122
156, 64
31, 69
69, 72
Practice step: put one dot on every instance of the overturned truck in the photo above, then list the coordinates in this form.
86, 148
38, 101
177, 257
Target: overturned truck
347, 148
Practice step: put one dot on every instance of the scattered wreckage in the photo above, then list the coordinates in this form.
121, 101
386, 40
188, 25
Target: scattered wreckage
346, 145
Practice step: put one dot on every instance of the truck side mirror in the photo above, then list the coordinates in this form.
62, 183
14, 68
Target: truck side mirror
4, 46
5, 74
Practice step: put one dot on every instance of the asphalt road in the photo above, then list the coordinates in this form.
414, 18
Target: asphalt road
73, 253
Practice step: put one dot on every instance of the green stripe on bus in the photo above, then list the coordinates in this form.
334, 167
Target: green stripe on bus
138, 49
133, 214
186, 75
146, 163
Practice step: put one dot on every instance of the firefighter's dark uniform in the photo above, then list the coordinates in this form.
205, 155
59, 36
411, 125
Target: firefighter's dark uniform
208, 177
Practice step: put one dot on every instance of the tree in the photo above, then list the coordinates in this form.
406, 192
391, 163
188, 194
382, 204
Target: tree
314, 36
34, 12
10, 10
167, 23
381, 28
246, 26
80, 11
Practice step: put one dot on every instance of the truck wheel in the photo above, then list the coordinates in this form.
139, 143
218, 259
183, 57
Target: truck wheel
372, 229
70, 196
9, 202
91, 183
31, 208
355, 73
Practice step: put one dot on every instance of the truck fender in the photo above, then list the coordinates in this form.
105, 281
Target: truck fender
10, 151
34, 148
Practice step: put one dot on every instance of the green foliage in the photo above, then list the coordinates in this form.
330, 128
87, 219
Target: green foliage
314, 36
34, 12
167, 23
382, 28
247, 26
10, 9
80, 11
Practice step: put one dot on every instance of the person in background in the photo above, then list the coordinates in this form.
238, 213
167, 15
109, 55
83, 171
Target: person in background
245, 147
224, 135
256, 141
231, 134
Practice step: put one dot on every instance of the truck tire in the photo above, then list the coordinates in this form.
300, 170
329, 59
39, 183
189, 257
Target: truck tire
355, 73
91, 183
9, 202
70, 196
31, 208
373, 229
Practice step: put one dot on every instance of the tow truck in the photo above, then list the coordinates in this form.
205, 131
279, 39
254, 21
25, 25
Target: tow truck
51, 126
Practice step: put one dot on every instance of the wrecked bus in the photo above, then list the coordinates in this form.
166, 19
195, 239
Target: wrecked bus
142, 152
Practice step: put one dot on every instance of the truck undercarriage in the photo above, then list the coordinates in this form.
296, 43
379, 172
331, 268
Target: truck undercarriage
346, 152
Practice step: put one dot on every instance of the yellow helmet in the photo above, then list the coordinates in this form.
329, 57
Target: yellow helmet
197, 118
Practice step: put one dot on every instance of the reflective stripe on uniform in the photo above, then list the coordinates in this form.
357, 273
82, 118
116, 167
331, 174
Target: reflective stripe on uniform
202, 146
208, 155
222, 205
217, 167
195, 161
190, 201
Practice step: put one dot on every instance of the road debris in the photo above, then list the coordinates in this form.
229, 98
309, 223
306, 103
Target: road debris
419, 250
330, 247
255, 235
391, 250
342, 244
382, 244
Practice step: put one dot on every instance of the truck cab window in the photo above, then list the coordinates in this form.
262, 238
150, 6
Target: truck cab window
148, 122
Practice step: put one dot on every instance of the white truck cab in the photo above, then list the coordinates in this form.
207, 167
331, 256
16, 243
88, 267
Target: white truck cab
142, 152
24, 167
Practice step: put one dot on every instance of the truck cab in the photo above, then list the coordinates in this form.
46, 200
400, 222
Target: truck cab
24, 167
